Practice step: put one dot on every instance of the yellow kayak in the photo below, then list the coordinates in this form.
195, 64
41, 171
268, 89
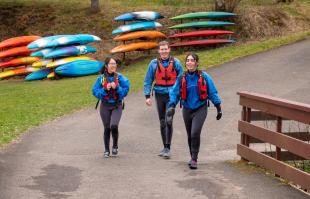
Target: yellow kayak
51, 75
67, 60
41, 63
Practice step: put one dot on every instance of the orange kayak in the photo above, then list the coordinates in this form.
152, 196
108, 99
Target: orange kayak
19, 61
134, 46
23, 50
18, 41
147, 34
17, 71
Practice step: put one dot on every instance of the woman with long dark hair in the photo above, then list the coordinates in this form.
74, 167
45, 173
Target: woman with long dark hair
111, 88
194, 88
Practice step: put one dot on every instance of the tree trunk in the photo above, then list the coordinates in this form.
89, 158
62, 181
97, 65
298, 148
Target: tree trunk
219, 5
226, 5
94, 6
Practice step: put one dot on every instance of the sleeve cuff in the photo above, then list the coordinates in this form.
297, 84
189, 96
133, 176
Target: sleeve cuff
147, 96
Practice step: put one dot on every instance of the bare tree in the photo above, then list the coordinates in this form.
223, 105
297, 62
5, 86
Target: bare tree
94, 6
226, 5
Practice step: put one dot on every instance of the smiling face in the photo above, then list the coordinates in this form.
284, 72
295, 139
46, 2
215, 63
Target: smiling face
191, 63
112, 66
164, 51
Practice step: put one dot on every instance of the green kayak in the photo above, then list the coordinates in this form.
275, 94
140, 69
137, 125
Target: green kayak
202, 24
202, 15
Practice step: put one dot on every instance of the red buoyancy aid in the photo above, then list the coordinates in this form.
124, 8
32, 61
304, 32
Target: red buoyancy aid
165, 76
105, 82
202, 87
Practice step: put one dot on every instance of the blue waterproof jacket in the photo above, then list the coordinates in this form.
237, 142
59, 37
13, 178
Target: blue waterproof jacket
122, 90
150, 77
192, 101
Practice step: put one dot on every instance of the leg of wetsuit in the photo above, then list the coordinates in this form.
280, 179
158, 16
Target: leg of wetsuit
105, 114
199, 117
115, 119
187, 117
161, 109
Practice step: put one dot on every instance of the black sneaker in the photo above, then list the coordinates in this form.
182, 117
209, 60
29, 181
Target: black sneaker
114, 151
193, 164
106, 154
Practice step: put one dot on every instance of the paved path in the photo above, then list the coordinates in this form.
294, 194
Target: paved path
63, 159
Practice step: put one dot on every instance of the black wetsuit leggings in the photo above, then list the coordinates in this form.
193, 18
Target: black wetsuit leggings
110, 116
194, 120
165, 129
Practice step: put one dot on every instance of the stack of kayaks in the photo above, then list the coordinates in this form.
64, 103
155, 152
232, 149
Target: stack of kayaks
144, 29
64, 55
202, 29
14, 56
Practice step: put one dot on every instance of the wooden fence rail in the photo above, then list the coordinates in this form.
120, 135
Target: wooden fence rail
257, 107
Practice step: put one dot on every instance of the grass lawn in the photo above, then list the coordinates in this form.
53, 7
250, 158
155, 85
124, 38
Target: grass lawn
27, 104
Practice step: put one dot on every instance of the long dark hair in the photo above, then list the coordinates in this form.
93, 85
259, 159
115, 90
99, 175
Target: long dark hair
104, 68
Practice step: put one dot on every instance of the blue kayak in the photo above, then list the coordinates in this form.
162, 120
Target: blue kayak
79, 39
37, 75
143, 15
69, 51
41, 43
41, 53
79, 68
145, 25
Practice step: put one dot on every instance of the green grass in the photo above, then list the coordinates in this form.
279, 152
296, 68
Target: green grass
27, 104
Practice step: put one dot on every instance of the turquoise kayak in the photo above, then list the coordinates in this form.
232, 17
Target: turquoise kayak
202, 24
79, 68
79, 39
37, 75
146, 25
203, 15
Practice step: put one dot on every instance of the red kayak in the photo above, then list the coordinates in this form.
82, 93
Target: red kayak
205, 42
201, 33
23, 50
18, 41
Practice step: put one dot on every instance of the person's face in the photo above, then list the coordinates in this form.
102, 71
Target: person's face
112, 66
191, 63
164, 51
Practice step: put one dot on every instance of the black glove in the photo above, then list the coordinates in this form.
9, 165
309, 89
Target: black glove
169, 115
219, 112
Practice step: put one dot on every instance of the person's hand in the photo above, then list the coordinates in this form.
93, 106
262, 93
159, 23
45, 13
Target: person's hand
113, 85
148, 102
109, 86
219, 112
169, 115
